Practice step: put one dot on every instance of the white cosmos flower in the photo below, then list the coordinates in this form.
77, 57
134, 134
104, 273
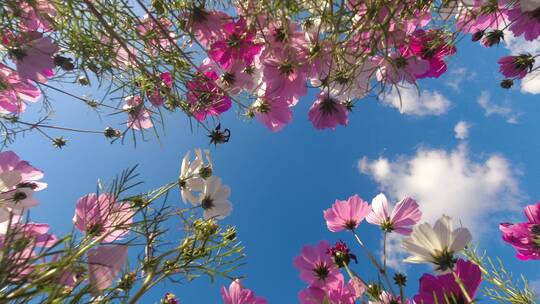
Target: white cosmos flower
193, 173
13, 200
214, 199
436, 245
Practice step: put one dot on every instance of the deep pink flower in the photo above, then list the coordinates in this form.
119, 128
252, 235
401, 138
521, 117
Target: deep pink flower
169, 298
327, 112
156, 96
432, 46
342, 254
238, 44
14, 91
339, 293
102, 215
237, 294
346, 214
316, 266
205, 97
9, 161
525, 237
516, 66
524, 23
436, 289
138, 116
273, 112
104, 264
33, 54
405, 215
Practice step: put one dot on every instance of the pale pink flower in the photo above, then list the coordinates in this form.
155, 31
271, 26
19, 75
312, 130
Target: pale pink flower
205, 97
236, 78
103, 216
327, 112
516, 66
398, 68
104, 264
388, 298
33, 55
9, 161
346, 214
138, 116
316, 266
238, 44
152, 33
525, 237
405, 215
273, 112
340, 293
237, 294
35, 17
14, 91
483, 15
208, 25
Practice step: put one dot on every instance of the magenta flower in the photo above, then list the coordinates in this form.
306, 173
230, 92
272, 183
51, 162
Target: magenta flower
316, 266
437, 289
156, 96
240, 295
169, 298
405, 215
14, 91
346, 214
340, 293
102, 216
272, 112
138, 116
327, 112
525, 237
205, 97
104, 264
524, 23
238, 44
34, 55
516, 66
342, 254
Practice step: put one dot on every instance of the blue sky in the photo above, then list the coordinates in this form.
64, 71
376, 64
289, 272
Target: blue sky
281, 182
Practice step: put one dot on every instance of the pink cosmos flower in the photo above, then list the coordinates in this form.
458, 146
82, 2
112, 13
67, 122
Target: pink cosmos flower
205, 97
436, 289
432, 46
273, 112
340, 293
14, 91
405, 215
236, 78
102, 215
524, 23
104, 264
208, 25
35, 17
316, 266
9, 161
525, 237
346, 214
482, 16
237, 294
398, 68
152, 33
516, 66
33, 54
169, 298
239, 44
388, 298
138, 116
166, 84
327, 112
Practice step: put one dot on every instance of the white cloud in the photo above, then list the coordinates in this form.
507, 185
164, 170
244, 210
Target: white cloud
394, 252
456, 76
449, 182
409, 101
491, 108
531, 83
462, 130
